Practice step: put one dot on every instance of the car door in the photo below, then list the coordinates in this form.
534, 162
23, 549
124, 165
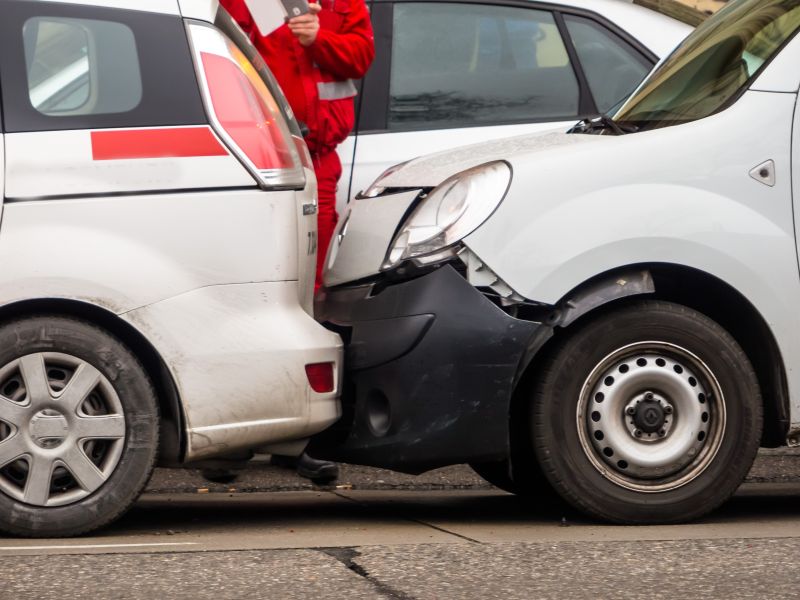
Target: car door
449, 74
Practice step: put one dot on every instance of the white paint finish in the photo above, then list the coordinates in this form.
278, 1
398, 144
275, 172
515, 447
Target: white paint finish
202, 10
782, 74
362, 251
122, 253
237, 354
376, 152
654, 30
70, 168
168, 7
307, 246
680, 195
582, 205
431, 170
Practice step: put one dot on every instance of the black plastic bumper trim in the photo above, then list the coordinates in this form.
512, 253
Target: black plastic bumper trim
431, 369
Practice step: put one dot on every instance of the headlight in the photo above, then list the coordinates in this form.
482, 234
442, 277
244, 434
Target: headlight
450, 213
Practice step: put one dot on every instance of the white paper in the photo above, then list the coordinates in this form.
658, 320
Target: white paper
267, 14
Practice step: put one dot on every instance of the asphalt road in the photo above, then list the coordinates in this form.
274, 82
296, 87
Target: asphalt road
384, 535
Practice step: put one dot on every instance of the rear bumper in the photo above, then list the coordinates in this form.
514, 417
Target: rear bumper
430, 368
237, 355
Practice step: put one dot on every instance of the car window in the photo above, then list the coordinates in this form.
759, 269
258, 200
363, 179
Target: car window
714, 64
67, 66
81, 66
456, 65
612, 67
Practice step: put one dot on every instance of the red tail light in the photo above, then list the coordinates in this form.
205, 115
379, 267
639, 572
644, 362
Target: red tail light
243, 114
243, 111
320, 377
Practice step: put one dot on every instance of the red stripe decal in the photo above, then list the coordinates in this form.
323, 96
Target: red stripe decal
115, 144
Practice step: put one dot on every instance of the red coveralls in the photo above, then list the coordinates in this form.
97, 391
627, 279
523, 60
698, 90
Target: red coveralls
317, 82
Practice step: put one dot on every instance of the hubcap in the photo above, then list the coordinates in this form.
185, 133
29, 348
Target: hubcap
651, 416
62, 429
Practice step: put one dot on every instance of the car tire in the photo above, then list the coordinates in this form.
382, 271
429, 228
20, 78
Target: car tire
648, 413
79, 427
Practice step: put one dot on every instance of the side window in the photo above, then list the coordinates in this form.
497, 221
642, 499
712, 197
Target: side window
456, 65
81, 67
613, 68
76, 66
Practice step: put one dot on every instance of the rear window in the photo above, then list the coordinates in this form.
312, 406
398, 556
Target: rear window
67, 66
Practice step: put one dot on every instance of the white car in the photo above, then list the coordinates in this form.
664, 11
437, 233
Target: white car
157, 247
614, 307
460, 72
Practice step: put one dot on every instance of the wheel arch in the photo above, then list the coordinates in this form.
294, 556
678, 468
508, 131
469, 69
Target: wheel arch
172, 444
675, 283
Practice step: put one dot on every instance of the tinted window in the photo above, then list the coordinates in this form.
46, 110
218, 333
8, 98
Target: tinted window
69, 66
65, 74
456, 65
613, 69
714, 64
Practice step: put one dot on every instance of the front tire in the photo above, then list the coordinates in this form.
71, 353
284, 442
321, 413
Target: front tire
78, 427
649, 413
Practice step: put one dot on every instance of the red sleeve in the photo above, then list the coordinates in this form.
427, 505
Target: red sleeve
238, 10
348, 53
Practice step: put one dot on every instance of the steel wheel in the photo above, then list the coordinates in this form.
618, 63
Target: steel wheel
651, 416
646, 413
65, 429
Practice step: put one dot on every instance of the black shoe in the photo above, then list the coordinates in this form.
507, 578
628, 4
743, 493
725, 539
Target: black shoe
320, 472
220, 475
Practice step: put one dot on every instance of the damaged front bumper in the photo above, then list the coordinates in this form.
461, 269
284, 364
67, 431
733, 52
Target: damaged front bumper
431, 365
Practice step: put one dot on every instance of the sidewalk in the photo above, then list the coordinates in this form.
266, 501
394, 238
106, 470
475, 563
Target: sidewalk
781, 465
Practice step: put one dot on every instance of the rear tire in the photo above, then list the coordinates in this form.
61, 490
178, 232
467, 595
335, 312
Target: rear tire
649, 413
78, 427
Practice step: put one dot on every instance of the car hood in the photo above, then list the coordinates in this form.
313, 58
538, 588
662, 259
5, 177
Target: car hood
433, 169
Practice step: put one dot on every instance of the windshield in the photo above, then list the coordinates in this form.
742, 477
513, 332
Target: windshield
713, 64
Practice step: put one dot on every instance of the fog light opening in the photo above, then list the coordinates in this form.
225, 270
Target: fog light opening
379, 414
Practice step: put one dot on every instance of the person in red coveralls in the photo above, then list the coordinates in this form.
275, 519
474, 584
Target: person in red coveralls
315, 57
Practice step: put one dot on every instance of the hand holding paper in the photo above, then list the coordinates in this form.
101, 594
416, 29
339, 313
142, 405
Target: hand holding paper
271, 14
306, 27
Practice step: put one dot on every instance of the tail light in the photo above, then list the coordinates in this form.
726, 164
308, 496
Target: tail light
243, 111
320, 377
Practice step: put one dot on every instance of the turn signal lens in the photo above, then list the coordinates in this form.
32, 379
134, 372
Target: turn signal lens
320, 377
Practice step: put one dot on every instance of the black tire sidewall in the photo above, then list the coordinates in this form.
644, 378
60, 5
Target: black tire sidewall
131, 383
554, 418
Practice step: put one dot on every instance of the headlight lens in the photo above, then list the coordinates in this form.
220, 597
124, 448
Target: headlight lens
451, 212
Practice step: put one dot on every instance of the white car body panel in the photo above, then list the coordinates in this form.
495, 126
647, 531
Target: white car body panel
72, 169
659, 33
782, 74
376, 152
218, 298
202, 10
243, 384
153, 247
705, 212
167, 7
